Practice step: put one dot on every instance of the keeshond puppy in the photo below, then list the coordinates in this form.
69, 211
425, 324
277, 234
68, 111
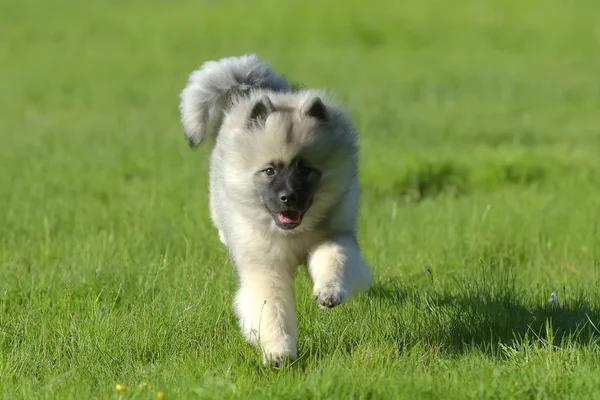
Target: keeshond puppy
283, 192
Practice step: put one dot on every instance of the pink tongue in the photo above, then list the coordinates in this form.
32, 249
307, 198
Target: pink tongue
288, 217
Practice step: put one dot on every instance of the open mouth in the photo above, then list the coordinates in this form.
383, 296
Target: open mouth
288, 219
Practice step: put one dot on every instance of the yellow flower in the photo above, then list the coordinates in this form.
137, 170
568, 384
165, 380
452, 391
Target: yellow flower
160, 396
121, 388
145, 385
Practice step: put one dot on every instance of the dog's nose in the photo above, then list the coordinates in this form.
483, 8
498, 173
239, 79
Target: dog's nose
288, 197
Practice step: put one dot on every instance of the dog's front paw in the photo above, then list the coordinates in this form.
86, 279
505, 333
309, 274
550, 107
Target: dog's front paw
330, 296
278, 359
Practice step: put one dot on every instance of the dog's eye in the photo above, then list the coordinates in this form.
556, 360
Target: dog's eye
304, 170
270, 171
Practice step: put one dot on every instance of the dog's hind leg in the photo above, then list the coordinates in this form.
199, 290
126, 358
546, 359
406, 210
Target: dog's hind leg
222, 237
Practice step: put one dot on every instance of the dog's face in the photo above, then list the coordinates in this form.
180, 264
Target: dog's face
290, 165
287, 190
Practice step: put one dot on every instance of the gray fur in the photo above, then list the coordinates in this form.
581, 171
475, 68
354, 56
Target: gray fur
259, 121
211, 87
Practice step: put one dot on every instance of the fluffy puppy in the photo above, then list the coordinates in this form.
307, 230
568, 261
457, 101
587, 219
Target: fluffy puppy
283, 192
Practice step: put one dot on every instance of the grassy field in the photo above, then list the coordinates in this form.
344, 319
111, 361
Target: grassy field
480, 135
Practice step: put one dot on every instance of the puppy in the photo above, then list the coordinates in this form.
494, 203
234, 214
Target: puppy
283, 192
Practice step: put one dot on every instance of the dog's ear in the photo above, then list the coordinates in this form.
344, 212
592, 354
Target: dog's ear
315, 108
261, 109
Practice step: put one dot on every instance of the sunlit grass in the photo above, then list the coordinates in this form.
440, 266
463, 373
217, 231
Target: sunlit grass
480, 208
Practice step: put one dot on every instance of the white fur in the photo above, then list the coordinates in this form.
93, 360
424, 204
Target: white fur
266, 256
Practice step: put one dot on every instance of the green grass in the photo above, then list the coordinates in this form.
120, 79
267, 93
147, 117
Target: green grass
480, 136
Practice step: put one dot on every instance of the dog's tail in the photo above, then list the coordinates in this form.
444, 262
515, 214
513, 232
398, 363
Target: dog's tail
211, 88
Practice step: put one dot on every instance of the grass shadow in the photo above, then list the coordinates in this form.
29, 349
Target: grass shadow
390, 292
430, 180
484, 315
487, 321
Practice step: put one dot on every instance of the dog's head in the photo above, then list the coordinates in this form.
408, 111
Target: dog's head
293, 157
